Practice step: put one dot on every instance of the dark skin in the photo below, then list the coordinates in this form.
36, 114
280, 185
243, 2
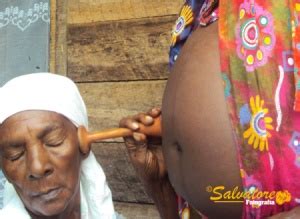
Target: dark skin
196, 128
198, 148
201, 140
41, 156
148, 160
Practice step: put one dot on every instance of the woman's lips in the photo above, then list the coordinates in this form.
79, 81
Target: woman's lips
49, 194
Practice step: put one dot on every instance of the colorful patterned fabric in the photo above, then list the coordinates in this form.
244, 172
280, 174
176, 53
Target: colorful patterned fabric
193, 14
295, 15
259, 53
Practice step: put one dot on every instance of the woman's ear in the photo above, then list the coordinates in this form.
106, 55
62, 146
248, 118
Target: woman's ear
84, 144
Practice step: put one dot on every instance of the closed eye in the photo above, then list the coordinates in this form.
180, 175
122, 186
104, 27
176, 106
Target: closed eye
54, 141
13, 150
54, 138
15, 157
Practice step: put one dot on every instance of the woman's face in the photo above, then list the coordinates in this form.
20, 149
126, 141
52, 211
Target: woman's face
40, 156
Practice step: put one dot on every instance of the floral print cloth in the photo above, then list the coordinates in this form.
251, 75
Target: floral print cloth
260, 54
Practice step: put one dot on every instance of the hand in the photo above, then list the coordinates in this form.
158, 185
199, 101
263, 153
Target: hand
146, 155
292, 214
144, 151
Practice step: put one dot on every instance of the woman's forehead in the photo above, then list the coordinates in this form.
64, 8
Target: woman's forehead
33, 118
35, 124
33, 115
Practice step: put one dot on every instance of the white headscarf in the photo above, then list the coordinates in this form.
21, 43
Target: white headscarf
43, 91
47, 91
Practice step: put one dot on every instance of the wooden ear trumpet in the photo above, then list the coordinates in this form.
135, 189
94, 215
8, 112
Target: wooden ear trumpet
85, 138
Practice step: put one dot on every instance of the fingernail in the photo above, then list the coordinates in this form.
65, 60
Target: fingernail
136, 136
135, 125
149, 118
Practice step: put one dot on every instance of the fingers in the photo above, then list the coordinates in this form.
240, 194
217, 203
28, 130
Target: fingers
136, 144
147, 118
154, 112
143, 118
130, 123
133, 122
139, 137
137, 141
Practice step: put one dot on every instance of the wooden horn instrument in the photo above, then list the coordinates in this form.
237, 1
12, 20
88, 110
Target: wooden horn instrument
86, 138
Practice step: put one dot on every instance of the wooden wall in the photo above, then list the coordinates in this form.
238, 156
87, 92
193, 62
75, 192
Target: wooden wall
118, 55
58, 37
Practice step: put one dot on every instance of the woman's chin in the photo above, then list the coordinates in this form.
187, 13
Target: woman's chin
48, 209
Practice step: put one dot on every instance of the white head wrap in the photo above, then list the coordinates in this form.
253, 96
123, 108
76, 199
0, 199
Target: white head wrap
43, 91
47, 91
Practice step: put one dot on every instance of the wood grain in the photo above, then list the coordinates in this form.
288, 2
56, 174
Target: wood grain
53, 12
120, 51
107, 103
88, 11
121, 176
58, 37
118, 55
137, 211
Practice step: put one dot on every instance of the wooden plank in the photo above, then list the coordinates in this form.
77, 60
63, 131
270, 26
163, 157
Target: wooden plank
107, 103
121, 176
58, 37
120, 51
88, 11
137, 211
52, 35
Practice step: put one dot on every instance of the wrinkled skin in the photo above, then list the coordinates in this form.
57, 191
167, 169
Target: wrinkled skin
142, 149
40, 156
148, 161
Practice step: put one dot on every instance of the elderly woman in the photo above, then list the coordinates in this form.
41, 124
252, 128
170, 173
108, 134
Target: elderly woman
50, 174
229, 127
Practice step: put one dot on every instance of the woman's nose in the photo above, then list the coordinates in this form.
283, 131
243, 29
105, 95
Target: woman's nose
39, 165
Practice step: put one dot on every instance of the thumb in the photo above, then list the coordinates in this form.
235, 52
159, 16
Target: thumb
137, 144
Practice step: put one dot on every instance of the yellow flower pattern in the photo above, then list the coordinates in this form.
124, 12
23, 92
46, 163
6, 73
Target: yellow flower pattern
283, 197
186, 17
258, 134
